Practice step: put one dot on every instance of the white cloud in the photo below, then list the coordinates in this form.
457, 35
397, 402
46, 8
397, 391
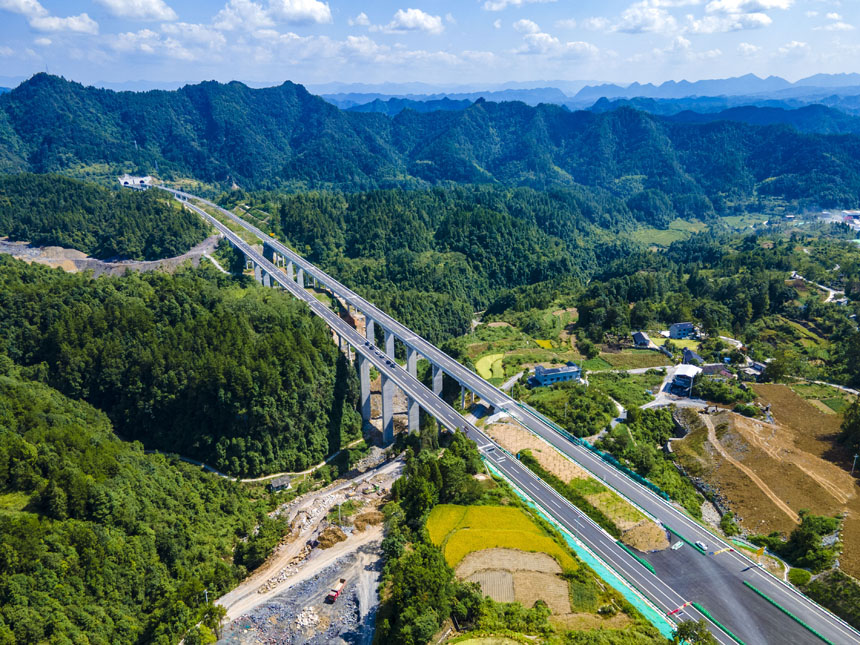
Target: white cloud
794, 48
546, 45
646, 16
526, 26
450, 19
301, 11
6, 51
406, 20
42, 42
836, 26
242, 14
811, 14
139, 9
498, 5
42, 20
597, 23
746, 6
497, 23
679, 50
81, 24
834, 16
194, 34
748, 49
566, 23
361, 20
731, 22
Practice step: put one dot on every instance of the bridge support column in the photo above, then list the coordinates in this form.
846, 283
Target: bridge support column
387, 410
301, 278
370, 330
412, 362
364, 379
290, 272
258, 273
389, 343
412, 413
249, 263
267, 279
437, 380
463, 397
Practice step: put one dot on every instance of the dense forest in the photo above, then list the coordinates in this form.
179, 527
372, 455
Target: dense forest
100, 542
243, 379
432, 257
52, 210
285, 137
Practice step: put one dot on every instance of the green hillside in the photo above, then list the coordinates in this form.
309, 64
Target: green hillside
52, 210
100, 543
285, 137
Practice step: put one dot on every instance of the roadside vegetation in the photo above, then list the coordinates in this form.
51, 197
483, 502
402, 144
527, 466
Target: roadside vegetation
440, 513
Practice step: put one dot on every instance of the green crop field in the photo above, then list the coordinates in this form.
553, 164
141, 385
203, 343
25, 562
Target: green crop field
490, 366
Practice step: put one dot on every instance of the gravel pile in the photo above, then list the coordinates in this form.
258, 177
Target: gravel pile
301, 616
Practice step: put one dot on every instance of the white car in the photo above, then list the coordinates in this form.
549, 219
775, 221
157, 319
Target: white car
677, 545
702, 545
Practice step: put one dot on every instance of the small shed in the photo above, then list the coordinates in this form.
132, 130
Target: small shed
641, 339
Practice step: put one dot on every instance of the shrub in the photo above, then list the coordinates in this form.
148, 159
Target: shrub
799, 577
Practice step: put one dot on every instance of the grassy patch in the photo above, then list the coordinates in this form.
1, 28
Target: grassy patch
678, 229
13, 502
628, 389
629, 359
546, 344
486, 366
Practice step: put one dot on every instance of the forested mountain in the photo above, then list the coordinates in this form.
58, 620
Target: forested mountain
100, 543
812, 118
394, 106
433, 257
285, 137
52, 210
243, 379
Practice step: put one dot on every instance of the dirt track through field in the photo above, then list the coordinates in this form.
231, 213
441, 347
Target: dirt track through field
712, 438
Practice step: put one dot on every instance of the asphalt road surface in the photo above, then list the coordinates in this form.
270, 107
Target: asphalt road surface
714, 581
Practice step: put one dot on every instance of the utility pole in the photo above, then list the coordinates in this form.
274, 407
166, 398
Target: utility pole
855, 463
206, 595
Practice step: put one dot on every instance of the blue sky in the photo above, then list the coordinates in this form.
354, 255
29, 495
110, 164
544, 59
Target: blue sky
445, 42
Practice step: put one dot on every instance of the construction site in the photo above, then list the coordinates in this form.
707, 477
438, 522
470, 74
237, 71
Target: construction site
335, 534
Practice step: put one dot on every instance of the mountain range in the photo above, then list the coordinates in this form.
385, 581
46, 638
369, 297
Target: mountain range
286, 137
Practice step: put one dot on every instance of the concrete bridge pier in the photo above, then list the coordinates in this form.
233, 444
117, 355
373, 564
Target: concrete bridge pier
387, 410
290, 273
267, 279
258, 273
437, 380
301, 278
413, 414
370, 330
364, 379
411, 362
389, 344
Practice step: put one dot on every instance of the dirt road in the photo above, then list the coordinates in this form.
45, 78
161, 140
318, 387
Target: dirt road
245, 598
715, 442
312, 510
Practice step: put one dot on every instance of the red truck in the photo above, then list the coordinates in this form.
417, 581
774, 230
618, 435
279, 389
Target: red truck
335, 591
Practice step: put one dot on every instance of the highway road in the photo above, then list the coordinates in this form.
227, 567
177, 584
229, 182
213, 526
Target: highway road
714, 581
